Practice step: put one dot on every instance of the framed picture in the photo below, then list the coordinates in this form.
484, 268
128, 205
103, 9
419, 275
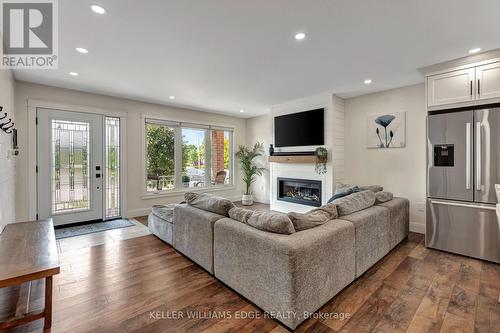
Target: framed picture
386, 131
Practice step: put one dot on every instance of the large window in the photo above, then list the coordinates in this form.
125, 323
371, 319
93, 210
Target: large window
160, 157
182, 156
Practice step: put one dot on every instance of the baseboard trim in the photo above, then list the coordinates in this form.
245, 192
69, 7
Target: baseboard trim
138, 212
417, 227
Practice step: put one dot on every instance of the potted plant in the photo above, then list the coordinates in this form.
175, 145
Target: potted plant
185, 180
249, 169
321, 159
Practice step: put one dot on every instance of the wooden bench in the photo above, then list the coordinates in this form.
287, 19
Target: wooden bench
28, 252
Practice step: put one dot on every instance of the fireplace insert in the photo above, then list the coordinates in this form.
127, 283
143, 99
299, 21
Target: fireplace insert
300, 191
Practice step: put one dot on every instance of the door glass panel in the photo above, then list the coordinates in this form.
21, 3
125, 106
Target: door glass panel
112, 151
193, 157
70, 166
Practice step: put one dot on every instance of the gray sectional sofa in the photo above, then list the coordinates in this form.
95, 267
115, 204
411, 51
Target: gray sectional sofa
291, 275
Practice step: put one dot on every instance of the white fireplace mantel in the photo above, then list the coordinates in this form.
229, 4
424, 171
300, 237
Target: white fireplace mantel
298, 171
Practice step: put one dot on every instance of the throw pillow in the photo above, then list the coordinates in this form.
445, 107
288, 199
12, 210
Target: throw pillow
209, 202
373, 188
314, 217
383, 197
240, 214
272, 222
355, 202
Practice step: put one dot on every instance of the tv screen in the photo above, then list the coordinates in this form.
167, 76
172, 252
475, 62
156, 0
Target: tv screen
300, 129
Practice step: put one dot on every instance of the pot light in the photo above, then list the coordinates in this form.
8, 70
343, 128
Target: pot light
367, 81
98, 9
241, 111
475, 50
300, 36
82, 50
73, 73
171, 97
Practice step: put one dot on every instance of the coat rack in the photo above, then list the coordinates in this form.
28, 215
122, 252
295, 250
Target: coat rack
6, 126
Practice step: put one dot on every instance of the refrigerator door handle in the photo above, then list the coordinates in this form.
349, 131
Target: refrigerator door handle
457, 204
467, 155
478, 156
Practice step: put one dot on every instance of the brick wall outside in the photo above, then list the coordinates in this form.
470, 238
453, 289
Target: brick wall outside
217, 152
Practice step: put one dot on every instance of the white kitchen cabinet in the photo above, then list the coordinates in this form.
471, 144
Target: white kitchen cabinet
452, 87
488, 81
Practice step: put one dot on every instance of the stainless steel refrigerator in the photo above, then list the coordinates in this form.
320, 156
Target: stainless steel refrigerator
463, 166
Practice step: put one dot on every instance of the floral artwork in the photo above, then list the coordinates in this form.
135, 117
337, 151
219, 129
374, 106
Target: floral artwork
387, 131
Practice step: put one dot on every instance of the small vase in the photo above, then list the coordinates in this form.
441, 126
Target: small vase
247, 200
271, 150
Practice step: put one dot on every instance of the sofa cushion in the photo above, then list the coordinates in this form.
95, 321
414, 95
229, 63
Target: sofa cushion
355, 202
313, 218
343, 192
240, 214
272, 222
278, 223
373, 188
209, 202
160, 228
382, 197
164, 212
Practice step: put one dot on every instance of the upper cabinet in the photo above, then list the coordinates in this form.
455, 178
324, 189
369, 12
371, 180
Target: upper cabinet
464, 87
488, 81
452, 87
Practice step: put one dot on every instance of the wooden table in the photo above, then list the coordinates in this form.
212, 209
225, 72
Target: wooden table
28, 251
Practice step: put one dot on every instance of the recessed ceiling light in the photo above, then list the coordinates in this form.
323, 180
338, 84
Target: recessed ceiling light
242, 110
73, 73
475, 50
300, 36
82, 50
171, 97
368, 81
98, 9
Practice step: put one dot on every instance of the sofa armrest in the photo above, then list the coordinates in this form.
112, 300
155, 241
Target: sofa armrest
288, 274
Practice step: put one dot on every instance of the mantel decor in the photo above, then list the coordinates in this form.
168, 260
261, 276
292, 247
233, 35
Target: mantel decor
321, 159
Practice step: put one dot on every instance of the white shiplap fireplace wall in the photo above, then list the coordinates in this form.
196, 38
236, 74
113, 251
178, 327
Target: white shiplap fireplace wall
334, 143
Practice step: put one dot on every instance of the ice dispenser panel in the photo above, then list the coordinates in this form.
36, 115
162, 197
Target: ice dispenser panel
444, 155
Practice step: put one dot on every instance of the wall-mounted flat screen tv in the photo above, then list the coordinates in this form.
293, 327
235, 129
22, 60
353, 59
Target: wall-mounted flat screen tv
300, 129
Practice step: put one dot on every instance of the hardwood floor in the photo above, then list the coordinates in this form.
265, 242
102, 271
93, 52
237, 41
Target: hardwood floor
139, 284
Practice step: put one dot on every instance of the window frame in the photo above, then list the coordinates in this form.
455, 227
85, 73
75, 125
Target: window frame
178, 126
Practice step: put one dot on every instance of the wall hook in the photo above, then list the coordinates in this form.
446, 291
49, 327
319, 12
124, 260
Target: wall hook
6, 128
5, 116
11, 131
3, 124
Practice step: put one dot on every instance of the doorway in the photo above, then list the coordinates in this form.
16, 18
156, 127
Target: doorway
78, 166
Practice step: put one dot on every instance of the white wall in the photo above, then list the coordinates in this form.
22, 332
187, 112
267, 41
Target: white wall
137, 205
398, 170
259, 129
7, 163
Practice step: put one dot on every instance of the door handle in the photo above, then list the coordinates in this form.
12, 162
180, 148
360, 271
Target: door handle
478, 86
471, 87
457, 204
467, 155
478, 156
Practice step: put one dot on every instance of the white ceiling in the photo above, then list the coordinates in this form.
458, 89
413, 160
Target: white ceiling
227, 55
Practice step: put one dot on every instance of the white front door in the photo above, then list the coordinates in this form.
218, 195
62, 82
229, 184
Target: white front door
70, 166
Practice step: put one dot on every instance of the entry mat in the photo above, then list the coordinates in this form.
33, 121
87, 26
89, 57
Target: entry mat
90, 228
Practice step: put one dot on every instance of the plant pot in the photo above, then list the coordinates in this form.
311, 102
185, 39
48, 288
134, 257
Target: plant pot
247, 200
